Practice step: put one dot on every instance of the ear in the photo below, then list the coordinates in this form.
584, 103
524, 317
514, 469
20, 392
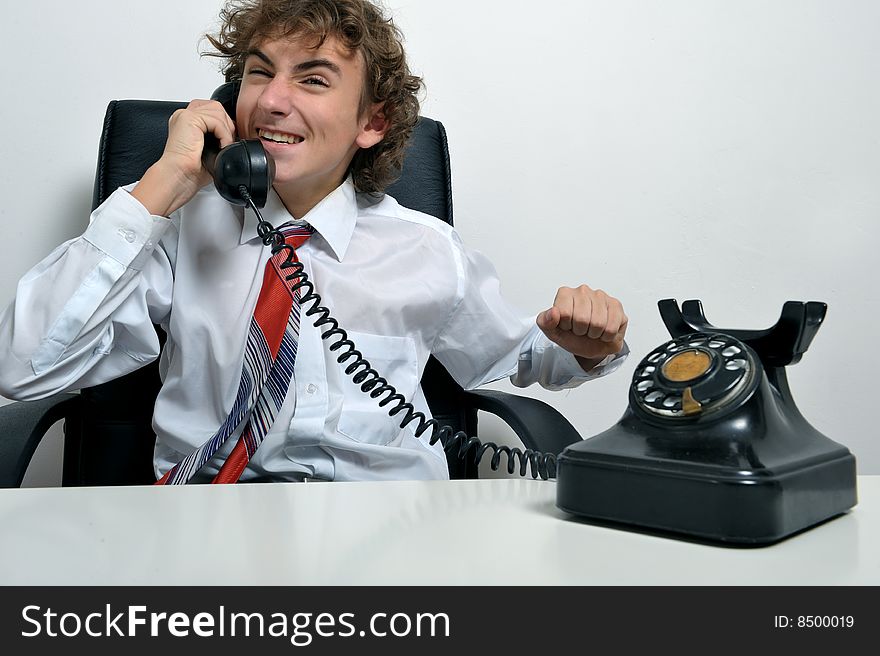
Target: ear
373, 127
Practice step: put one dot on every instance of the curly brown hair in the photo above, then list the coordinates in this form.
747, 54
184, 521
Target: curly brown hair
359, 25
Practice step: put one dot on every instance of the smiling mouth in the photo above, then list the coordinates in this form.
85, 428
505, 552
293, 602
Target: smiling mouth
279, 137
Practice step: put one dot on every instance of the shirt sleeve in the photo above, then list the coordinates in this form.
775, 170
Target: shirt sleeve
487, 339
546, 363
85, 314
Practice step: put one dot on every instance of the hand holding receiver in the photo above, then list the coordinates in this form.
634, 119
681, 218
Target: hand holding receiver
588, 323
180, 173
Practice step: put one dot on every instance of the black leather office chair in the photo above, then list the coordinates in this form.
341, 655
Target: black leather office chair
108, 439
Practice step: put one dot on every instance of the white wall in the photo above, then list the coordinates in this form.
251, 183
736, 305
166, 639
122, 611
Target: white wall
726, 151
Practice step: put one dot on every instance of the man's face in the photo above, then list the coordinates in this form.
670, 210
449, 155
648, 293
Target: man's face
303, 104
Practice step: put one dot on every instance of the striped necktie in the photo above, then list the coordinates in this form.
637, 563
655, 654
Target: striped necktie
270, 353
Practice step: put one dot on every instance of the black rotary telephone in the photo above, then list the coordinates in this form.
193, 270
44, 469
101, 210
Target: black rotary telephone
712, 444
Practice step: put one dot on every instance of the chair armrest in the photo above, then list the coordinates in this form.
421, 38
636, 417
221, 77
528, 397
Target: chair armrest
22, 425
539, 426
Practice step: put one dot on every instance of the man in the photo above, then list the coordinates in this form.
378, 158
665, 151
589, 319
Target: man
326, 88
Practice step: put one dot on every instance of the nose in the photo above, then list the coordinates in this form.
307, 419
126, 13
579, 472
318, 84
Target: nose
274, 98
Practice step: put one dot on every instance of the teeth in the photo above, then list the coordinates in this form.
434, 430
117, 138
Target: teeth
279, 137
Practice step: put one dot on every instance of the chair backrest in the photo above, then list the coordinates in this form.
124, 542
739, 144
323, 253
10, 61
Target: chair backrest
112, 442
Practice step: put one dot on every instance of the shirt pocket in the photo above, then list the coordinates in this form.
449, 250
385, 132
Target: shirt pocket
393, 358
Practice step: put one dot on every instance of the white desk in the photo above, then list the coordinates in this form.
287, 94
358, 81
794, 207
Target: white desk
403, 533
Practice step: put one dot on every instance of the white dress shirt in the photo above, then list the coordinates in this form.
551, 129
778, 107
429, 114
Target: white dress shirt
400, 282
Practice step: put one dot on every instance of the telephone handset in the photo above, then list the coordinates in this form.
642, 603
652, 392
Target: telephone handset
712, 444
243, 163
243, 173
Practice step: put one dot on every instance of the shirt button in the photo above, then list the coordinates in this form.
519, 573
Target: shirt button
312, 388
148, 246
128, 235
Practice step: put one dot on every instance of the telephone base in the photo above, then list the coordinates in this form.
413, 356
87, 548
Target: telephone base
712, 444
726, 505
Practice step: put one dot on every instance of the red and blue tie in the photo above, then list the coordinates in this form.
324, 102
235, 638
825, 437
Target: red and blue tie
270, 354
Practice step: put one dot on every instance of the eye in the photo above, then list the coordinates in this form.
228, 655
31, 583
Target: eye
316, 80
260, 72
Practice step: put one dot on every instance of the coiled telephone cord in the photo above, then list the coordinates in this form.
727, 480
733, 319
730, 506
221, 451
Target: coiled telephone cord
363, 374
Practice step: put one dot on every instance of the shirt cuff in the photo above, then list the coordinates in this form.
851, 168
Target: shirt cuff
123, 229
609, 364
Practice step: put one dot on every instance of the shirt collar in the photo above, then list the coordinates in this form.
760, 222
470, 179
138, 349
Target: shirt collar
333, 218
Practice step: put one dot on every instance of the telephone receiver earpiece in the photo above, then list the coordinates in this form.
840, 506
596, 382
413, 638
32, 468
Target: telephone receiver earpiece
243, 163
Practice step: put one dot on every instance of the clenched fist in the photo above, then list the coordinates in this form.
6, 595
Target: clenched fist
586, 322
